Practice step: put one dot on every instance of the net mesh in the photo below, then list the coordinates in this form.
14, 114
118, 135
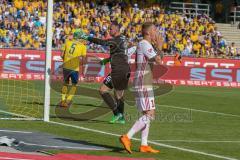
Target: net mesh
20, 99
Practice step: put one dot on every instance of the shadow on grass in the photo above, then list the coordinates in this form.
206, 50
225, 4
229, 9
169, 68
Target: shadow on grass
108, 147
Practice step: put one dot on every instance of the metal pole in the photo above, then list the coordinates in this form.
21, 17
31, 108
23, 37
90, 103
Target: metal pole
234, 15
208, 8
48, 61
196, 7
183, 8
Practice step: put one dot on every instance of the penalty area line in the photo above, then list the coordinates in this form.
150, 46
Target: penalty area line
151, 142
197, 110
196, 141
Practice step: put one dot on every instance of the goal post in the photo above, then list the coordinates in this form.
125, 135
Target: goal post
31, 79
48, 60
26, 78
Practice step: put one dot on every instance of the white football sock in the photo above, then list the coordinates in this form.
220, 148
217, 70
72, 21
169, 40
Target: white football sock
145, 132
139, 125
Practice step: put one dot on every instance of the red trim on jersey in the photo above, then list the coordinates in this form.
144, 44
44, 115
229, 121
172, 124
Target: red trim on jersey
146, 98
142, 70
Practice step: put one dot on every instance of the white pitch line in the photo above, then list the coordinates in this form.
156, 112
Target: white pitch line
195, 141
197, 110
203, 92
10, 131
18, 115
22, 119
14, 114
151, 142
193, 151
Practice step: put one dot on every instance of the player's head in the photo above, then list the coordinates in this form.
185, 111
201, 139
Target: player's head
149, 30
114, 29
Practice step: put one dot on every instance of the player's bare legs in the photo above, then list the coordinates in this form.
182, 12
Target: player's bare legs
118, 93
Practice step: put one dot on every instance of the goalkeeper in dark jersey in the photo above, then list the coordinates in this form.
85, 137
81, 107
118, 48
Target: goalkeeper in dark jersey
120, 74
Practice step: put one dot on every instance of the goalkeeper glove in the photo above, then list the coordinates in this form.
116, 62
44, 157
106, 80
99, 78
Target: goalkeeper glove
79, 34
105, 61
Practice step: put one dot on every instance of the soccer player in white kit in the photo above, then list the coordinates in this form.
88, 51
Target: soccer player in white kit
146, 56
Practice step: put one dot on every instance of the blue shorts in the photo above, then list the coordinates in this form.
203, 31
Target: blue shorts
67, 74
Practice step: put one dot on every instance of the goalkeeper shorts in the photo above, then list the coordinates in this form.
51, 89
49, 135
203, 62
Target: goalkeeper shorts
108, 81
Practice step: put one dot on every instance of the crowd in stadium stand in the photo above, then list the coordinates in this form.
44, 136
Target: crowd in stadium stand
22, 24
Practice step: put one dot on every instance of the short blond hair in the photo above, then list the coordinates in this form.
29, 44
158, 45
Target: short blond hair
145, 27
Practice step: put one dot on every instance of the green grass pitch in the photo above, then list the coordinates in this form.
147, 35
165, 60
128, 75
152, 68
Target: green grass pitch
200, 119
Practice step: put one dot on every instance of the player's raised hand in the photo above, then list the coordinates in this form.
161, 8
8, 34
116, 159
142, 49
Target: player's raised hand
158, 41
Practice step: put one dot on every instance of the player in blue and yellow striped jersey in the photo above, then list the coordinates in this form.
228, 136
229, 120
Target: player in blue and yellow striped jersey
72, 52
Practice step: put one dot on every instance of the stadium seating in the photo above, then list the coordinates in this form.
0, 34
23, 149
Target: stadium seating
22, 25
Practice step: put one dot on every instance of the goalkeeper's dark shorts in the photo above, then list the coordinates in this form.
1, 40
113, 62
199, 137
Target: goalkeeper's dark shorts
120, 79
108, 81
70, 74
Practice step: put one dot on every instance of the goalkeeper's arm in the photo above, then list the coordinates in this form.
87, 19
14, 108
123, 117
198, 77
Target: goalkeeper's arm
79, 34
105, 61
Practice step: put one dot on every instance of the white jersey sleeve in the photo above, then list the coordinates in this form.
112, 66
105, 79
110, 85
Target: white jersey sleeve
147, 49
131, 50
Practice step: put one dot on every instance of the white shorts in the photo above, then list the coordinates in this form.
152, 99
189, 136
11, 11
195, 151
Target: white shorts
145, 99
